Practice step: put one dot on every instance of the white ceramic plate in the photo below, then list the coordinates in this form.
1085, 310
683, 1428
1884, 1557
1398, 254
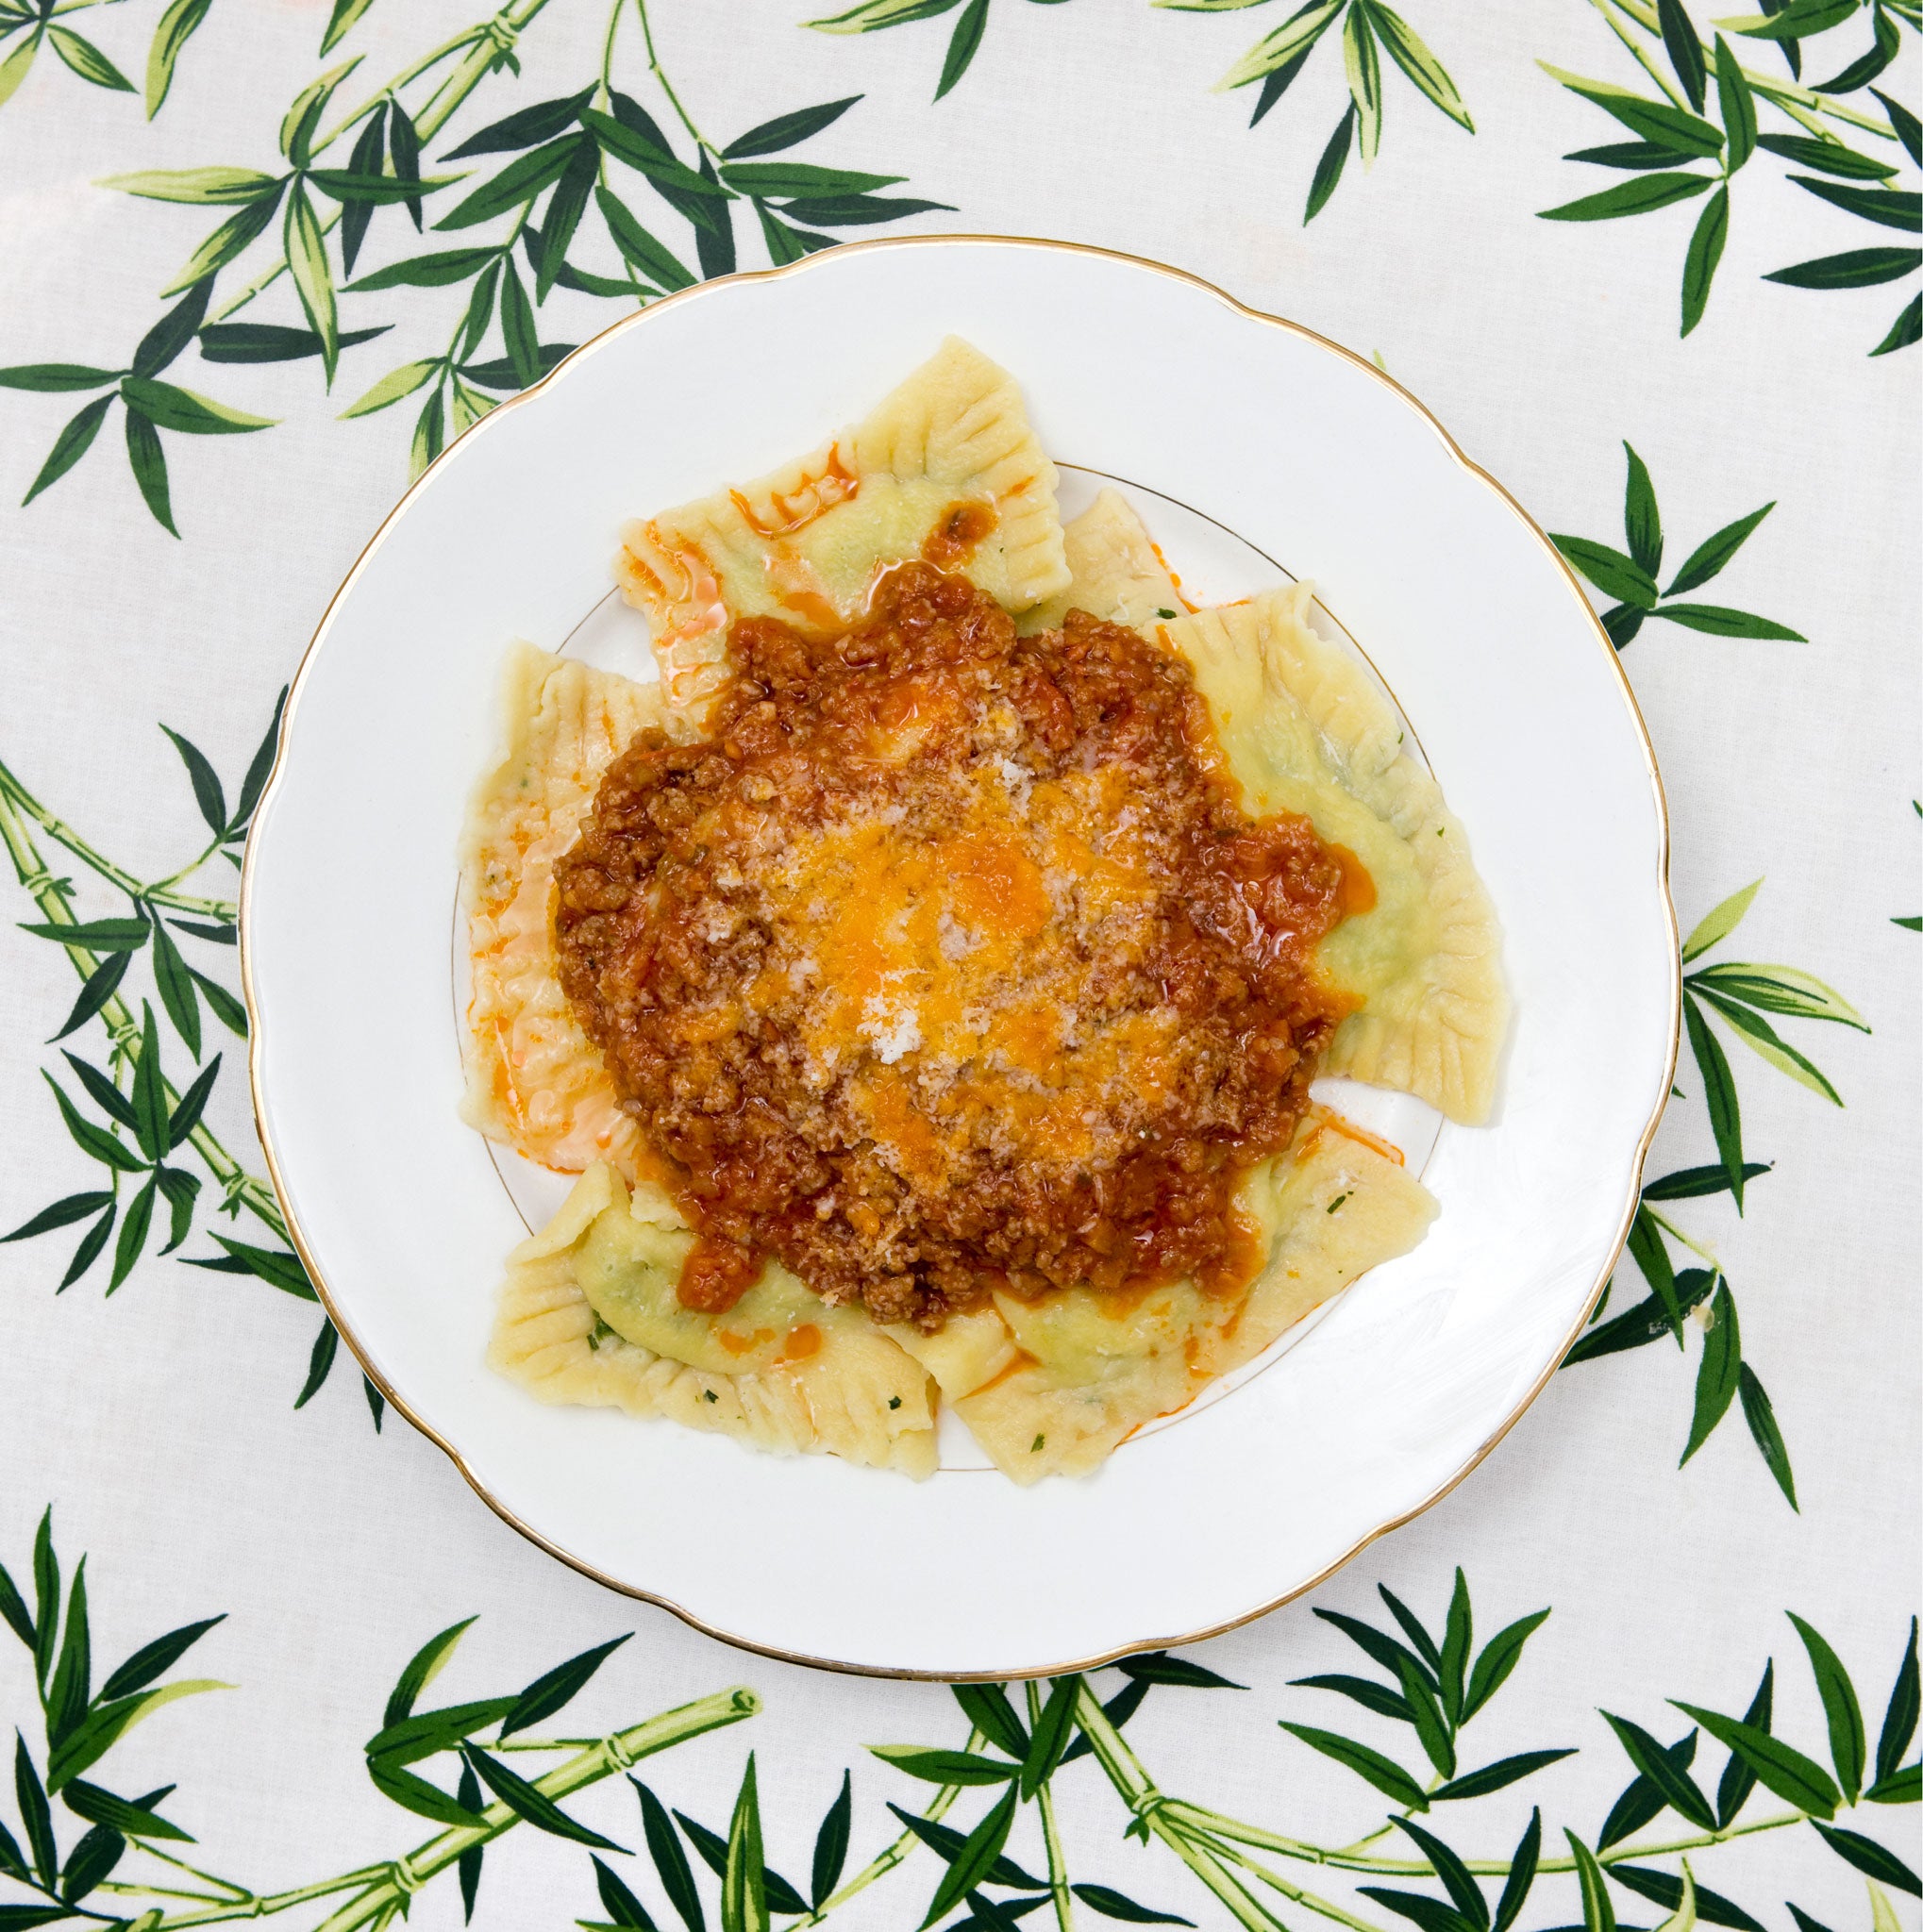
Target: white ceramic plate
1252, 449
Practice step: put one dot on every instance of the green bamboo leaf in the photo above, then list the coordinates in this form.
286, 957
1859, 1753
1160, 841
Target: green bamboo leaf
556, 1687
962, 45
1457, 1881
1684, 50
1642, 520
974, 1859
518, 330
88, 61
1492, 1778
1425, 1714
1282, 44
341, 20
869, 16
424, 1733
743, 1878
670, 1860
941, 1767
1905, 330
831, 1843
133, 1233
1648, 1251
73, 443
73, 1680
1640, 196
278, 1270
1719, 620
96, 935
102, 1093
564, 210
518, 183
185, 411
527, 128
1364, 67
1328, 168
53, 378
1763, 1040
1827, 156
91, 1140
1792, 22
1158, 1667
13, 70
320, 1361
1498, 1658
63, 1214
1637, 157
1653, 120
13, 1611
1522, 1873
103, 1807
1705, 251
427, 271
414, 1794
617, 139
391, 387
1406, 48
179, 1190
175, 28
988, 1709
1899, 1714
1760, 1413
208, 794
1876, 1862
421, 1670
35, 1816
94, 993
1738, 1780
148, 461
528, 1802
176, 987
639, 247
303, 118
1784, 1769
1848, 1750
429, 435
110, 1720
201, 186
1114, 1904
1736, 103
799, 180
622, 1906
787, 130
1362, 1691
781, 1896
1903, 1787
228, 242
1384, 1774
1053, 1730
1884, 48
1890, 207
1417, 1633
1719, 923
1855, 268
1599, 1914
1609, 570
1904, 125
222, 1004
850, 210
1781, 990
1719, 1092
361, 191
267, 341
1429, 1914
92, 1243
307, 262
1692, 1183
1715, 1389
46, 1596
149, 1096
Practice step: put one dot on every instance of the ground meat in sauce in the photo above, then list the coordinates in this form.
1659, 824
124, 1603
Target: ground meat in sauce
949, 960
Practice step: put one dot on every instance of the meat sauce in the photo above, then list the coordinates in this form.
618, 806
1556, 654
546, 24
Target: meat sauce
950, 962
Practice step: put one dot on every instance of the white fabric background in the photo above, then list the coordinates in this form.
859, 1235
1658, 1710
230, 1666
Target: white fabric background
158, 1423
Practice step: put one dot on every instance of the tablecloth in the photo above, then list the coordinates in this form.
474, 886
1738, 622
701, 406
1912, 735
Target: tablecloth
1655, 1662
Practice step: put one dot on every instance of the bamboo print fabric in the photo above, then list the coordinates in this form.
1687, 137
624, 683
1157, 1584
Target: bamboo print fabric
1654, 1664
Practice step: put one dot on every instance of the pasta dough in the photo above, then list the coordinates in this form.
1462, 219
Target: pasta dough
805, 542
809, 1378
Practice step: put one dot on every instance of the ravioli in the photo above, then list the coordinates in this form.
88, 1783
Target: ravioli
534, 1080
1051, 1383
806, 542
588, 1314
1307, 730
1054, 1386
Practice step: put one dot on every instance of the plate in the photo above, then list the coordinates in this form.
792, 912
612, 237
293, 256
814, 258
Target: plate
1255, 450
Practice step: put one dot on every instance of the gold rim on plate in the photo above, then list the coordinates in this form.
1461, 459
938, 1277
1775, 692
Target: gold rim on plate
1382, 1529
